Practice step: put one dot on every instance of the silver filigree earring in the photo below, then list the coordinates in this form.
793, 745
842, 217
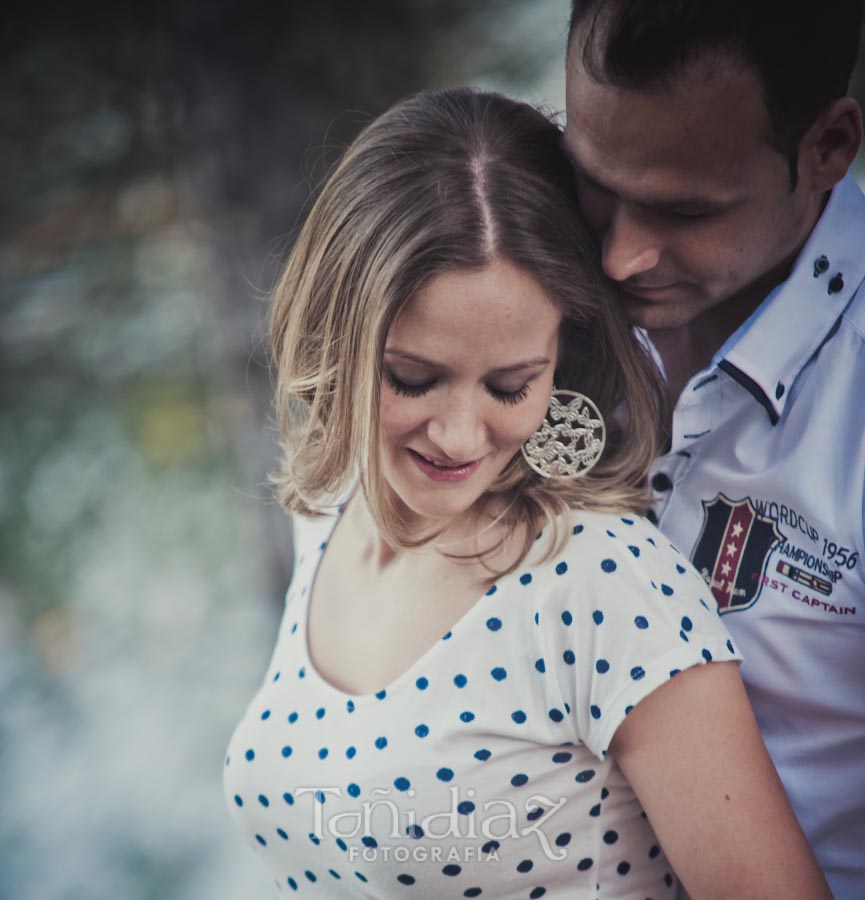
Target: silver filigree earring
570, 440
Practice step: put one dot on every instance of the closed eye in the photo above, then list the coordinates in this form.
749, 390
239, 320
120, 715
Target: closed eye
409, 389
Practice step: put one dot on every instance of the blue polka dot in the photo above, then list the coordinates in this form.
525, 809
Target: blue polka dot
540, 665
519, 780
666, 590
289, 798
627, 521
301, 672
281, 832
623, 867
585, 864
595, 711
578, 529
335, 874
674, 672
263, 801
381, 694
654, 851
369, 841
286, 751
498, 673
472, 892
444, 774
361, 876
380, 743
608, 565
238, 799
422, 731
467, 716
526, 578
491, 591
628, 710
494, 624
641, 622
322, 754
556, 715
638, 672
651, 541
585, 776
261, 840
460, 681
602, 667
706, 655
466, 808
634, 550
687, 624
292, 884
668, 880
447, 637
402, 784
563, 839
490, 847
595, 811
567, 618
568, 657
265, 715
704, 604
562, 757
537, 619
482, 755
342, 845
525, 866
537, 893
730, 646
250, 755
597, 617
534, 814
292, 718
610, 837
319, 713
353, 790
415, 832
680, 569
422, 683
518, 716
405, 879
350, 752
684, 637
319, 796
451, 870
561, 568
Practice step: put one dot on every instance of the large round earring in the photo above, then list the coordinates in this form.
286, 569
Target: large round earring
570, 440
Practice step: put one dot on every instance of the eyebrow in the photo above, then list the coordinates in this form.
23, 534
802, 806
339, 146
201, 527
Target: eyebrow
693, 204
431, 364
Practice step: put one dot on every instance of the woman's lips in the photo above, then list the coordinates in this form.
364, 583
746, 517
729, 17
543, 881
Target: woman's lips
445, 471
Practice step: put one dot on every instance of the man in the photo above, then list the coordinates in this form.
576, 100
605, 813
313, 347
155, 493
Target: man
711, 144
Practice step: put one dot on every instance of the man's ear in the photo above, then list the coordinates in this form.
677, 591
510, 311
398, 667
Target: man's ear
830, 145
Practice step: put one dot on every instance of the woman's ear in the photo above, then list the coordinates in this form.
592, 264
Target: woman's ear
830, 145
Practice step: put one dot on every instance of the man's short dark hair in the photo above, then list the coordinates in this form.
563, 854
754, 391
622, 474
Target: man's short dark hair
804, 53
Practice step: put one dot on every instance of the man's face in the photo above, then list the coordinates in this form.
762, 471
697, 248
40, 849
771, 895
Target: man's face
691, 203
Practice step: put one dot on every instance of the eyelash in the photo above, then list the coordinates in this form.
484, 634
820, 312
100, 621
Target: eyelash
511, 398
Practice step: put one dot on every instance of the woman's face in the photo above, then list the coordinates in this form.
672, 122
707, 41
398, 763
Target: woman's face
469, 364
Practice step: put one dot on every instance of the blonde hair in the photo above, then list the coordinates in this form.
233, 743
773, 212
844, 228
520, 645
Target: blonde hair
448, 180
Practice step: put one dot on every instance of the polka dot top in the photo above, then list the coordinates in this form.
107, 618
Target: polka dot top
482, 770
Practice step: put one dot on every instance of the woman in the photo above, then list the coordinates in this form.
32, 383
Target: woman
473, 691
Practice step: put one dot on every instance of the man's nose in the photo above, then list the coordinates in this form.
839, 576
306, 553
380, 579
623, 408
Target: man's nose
457, 429
629, 247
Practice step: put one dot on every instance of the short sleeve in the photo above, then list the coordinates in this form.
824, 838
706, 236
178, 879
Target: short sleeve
626, 612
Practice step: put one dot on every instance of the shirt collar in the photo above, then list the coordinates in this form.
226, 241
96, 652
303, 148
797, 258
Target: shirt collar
769, 350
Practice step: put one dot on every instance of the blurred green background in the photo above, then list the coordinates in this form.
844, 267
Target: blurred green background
154, 163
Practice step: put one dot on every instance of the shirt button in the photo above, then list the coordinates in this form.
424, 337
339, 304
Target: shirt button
661, 482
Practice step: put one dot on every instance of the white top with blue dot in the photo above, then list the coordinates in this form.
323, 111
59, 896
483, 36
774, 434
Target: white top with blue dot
482, 770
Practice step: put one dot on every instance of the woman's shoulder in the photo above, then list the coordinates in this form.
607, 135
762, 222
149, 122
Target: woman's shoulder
623, 554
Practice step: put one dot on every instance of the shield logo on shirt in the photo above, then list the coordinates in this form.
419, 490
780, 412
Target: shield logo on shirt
732, 551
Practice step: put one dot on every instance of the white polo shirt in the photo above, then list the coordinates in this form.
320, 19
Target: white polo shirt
763, 489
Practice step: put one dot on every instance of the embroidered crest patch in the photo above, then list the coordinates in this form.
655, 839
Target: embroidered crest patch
732, 551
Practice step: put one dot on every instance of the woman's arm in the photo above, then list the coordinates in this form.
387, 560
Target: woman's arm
695, 759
